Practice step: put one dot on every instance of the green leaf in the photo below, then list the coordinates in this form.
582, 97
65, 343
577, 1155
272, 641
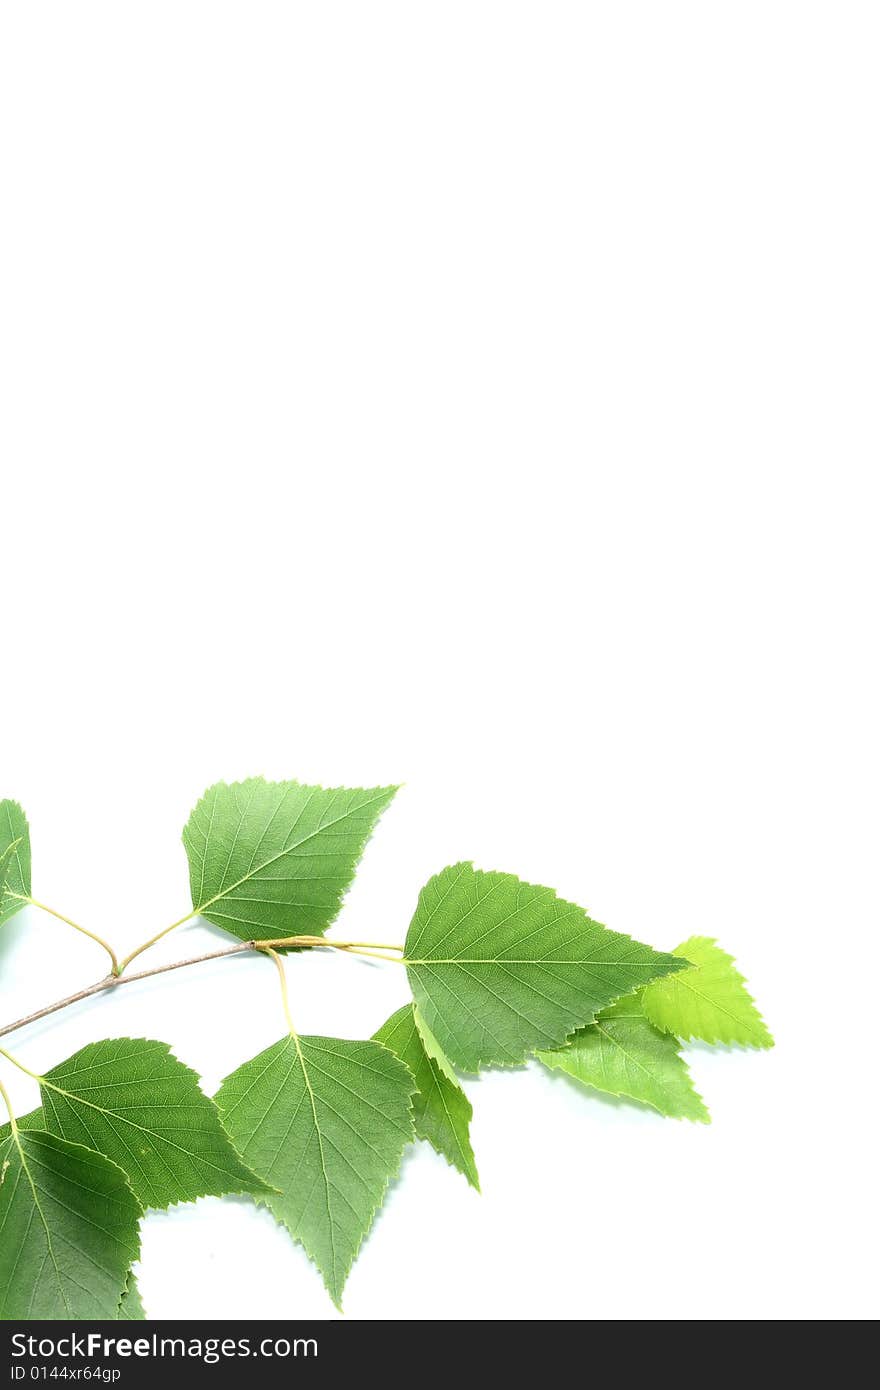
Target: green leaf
15, 860
269, 859
68, 1230
325, 1121
625, 1055
499, 967
131, 1309
441, 1110
33, 1120
709, 1001
132, 1100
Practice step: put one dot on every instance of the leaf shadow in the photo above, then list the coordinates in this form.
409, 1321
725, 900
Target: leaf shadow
590, 1093
12, 933
710, 1049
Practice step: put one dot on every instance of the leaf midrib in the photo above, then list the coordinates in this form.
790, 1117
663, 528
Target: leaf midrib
50, 1247
324, 1173
515, 960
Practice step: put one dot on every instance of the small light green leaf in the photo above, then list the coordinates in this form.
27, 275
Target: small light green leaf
441, 1110
132, 1100
33, 1120
15, 860
131, 1309
269, 859
325, 1121
68, 1230
625, 1055
709, 1002
499, 967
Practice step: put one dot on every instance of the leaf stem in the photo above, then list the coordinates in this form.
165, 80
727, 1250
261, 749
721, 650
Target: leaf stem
133, 955
357, 945
357, 948
93, 936
8, 1103
35, 1076
369, 955
285, 997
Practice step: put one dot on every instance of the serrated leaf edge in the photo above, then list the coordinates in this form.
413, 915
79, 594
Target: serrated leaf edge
474, 1181
453, 1080
717, 1040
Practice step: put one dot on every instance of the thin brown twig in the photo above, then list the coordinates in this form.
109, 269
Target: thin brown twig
117, 981
267, 947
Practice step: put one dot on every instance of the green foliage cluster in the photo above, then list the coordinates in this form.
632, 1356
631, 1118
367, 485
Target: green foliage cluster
501, 972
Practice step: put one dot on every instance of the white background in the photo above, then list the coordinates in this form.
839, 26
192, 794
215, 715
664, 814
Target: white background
481, 396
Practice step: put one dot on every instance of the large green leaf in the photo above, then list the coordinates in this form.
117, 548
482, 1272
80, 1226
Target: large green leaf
270, 859
325, 1121
68, 1230
500, 968
15, 860
130, 1099
625, 1055
441, 1110
709, 1001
